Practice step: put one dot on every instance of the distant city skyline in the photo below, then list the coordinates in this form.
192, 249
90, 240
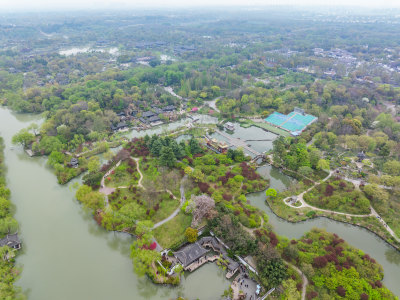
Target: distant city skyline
46, 5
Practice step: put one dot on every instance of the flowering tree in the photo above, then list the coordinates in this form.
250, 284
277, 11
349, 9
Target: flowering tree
203, 206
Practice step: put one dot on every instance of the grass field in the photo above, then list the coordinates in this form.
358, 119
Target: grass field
167, 207
121, 177
271, 128
173, 232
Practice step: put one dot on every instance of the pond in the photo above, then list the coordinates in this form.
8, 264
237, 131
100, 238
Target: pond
356, 236
183, 137
255, 137
202, 119
77, 50
66, 255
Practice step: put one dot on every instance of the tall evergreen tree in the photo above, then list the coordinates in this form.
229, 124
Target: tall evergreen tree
167, 157
194, 146
155, 148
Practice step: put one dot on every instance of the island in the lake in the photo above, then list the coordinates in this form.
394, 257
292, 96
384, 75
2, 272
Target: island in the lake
169, 133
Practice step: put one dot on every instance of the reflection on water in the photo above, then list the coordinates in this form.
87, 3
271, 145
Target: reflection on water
202, 119
183, 137
67, 256
392, 255
356, 236
277, 179
255, 137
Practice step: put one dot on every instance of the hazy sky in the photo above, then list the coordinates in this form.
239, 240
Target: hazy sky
37, 5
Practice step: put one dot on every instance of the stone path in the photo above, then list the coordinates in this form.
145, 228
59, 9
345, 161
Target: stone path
103, 188
175, 213
213, 104
303, 277
373, 213
140, 173
247, 285
376, 215
109, 190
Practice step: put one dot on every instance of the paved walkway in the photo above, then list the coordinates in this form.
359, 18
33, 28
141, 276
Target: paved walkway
175, 213
247, 285
103, 188
300, 198
373, 213
140, 173
109, 190
303, 277
250, 230
213, 104
376, 215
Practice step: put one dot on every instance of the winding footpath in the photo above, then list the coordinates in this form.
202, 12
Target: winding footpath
103, 188
357, 183
303, 277
109, 190
175, 213
213, 104
136, 159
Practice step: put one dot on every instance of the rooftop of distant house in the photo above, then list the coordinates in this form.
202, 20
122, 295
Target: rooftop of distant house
148, 114
11, 240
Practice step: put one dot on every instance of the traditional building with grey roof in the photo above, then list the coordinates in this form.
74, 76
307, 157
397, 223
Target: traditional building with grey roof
12, 241
190, 253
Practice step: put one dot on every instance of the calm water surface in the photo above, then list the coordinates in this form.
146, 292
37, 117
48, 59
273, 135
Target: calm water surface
67, 256
255, 137
358, 237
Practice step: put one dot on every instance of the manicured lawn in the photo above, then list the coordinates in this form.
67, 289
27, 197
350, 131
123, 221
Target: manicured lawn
166, 208
271, 128
173, 232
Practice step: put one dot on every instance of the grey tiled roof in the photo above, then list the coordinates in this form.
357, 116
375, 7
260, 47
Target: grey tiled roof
148, 114
10, 240
153, 119
190, 253
169, 108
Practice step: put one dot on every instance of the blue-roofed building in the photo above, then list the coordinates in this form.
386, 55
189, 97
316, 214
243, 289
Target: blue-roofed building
295, 122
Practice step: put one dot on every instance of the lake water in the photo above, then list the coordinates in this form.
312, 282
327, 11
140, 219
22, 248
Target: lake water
202, 119
77, 50
358, 237
255, 137
66, 255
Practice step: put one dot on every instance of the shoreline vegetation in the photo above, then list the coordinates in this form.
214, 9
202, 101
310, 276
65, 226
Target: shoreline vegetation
202, 168
120, 214
332, 101
9, 271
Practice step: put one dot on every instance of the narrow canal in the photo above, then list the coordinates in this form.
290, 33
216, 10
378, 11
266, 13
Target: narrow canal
67, 256
358, 237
